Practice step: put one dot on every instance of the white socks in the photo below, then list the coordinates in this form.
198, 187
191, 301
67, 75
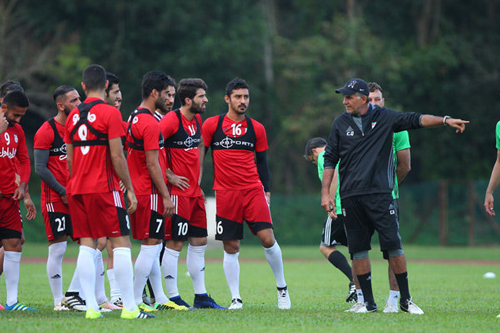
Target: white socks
232, 271
54, 270
142, 269
114, 290
85, 267
275, 260
100, 293
195, 262
169, 266
361, 298
156, 279
124, 273
393, 297
11, 264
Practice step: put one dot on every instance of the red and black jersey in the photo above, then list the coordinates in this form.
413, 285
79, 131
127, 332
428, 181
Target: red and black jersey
89, 128
182, 138
13, 159
144, 134
50, 137
233, 150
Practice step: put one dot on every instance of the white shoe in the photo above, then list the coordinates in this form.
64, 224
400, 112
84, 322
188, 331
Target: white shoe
390, 308
355, 307
60, 307
74, 302
236, 304
411, 308
365, 308
284, 302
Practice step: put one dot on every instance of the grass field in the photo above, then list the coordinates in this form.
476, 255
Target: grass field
446, 283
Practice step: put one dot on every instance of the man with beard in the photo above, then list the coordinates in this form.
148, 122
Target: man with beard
184, 144
14, 160
50, 165
147, 164
242, 188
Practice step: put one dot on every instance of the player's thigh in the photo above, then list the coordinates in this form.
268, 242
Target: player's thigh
10, 219
147, 221
383, 214
357, 226
256, 210
229, 215
57, 220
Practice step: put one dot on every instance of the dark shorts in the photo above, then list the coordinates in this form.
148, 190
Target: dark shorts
11, 225
334, 232
364, 214
396, 206
235, 207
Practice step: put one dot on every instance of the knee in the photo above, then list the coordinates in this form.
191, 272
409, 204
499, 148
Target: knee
232, 246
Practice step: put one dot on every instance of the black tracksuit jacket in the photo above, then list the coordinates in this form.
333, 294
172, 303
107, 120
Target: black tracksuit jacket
366, 157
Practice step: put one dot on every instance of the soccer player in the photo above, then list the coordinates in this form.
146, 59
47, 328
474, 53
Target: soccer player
183, 143
13, 147
361, 138
333, 230
96, 204
402, 161
242, 188
147, 163
51, 166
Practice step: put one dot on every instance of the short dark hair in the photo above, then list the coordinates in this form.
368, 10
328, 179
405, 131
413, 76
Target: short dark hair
9, 86
16, 98
313, 143
374, 86
94, 77
112, 79
61, 91
155, 80
187, 88
235, 84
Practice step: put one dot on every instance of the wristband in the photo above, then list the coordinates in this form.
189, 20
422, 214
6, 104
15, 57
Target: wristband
444, 120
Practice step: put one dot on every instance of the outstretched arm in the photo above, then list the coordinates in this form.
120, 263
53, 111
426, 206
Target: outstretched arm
434, 121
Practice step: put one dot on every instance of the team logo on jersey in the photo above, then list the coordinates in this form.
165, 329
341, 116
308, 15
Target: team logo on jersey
136, 119
227, 143
189, 142
76, 118
91, 117
15, 138
349, 132
374, 123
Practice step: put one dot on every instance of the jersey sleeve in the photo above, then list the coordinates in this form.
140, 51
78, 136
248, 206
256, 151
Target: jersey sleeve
44, 137
208, 130
169, 124
115, 124
261, 137
148, 129
401, 141
23, 158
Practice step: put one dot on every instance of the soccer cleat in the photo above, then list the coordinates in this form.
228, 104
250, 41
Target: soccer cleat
169, 306
236, 304
179, 301
411, 307
73, 301
60, 307
18, 307
1, 307
92, 314
204, 301
108, 306
353, 296
390, 308
117, 302
355, 307
284, 302
146, 308
366, 308
137, 314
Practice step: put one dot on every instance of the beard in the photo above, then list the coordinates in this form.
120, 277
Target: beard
66, 110
197, 108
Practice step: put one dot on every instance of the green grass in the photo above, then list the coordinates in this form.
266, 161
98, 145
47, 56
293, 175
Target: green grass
455, 297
